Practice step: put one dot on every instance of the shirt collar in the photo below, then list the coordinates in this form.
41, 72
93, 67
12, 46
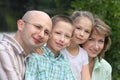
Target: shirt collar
97, 64
14, 43
48, 52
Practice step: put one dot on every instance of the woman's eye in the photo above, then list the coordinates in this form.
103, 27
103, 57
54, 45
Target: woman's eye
101, 41
91, 39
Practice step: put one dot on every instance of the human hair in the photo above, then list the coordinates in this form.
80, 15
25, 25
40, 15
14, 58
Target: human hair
102, 29
64, 18
29, 15
80, 14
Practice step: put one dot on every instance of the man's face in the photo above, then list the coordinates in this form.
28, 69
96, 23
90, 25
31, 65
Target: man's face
35, 32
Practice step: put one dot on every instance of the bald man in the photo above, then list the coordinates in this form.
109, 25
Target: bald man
33, 31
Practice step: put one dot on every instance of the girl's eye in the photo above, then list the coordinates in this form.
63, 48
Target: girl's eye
78, 28
87, 31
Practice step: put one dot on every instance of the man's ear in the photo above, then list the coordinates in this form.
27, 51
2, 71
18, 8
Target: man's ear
20, 24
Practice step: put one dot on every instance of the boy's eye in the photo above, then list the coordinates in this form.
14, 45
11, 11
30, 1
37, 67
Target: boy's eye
47, 32
68, 36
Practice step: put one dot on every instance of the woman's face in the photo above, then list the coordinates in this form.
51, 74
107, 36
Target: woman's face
94, 45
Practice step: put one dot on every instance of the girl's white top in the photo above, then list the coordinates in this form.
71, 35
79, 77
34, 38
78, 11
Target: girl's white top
76, 62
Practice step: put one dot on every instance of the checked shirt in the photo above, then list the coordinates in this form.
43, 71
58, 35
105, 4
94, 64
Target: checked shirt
47, 67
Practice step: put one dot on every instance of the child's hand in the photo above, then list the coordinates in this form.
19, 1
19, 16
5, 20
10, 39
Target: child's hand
39, 51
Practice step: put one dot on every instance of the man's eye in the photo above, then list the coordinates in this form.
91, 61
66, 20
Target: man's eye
47, 33
38, 27
57, 32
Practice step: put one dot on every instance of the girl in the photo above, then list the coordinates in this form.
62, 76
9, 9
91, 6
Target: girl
77, 56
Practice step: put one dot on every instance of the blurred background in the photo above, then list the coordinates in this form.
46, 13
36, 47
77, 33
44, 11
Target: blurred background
107, 10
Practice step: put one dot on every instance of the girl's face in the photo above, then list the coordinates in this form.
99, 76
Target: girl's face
94, 45
83, 27
60, 36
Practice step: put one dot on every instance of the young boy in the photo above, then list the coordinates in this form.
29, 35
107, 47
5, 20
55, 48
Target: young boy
51, 65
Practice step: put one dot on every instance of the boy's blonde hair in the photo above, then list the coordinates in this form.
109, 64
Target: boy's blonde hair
64, 18
80, 14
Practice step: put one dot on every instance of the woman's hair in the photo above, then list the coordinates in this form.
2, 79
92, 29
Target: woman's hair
102, 29
80, 14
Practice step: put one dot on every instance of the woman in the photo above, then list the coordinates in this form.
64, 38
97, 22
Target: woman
99, 42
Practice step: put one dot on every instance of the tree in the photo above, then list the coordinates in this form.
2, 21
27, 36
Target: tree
109, 11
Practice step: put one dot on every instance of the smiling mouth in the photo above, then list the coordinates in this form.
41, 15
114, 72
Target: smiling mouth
59, 45
36, 41
79, 39
93, 52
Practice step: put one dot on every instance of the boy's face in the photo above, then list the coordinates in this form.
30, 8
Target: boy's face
83, 27
60, 36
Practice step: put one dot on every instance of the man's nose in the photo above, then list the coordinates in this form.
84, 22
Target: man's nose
41, 33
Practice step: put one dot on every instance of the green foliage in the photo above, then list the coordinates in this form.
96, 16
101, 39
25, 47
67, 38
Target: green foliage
109, 11
10, 22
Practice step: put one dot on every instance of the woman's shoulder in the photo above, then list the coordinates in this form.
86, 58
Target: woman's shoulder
106, 65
